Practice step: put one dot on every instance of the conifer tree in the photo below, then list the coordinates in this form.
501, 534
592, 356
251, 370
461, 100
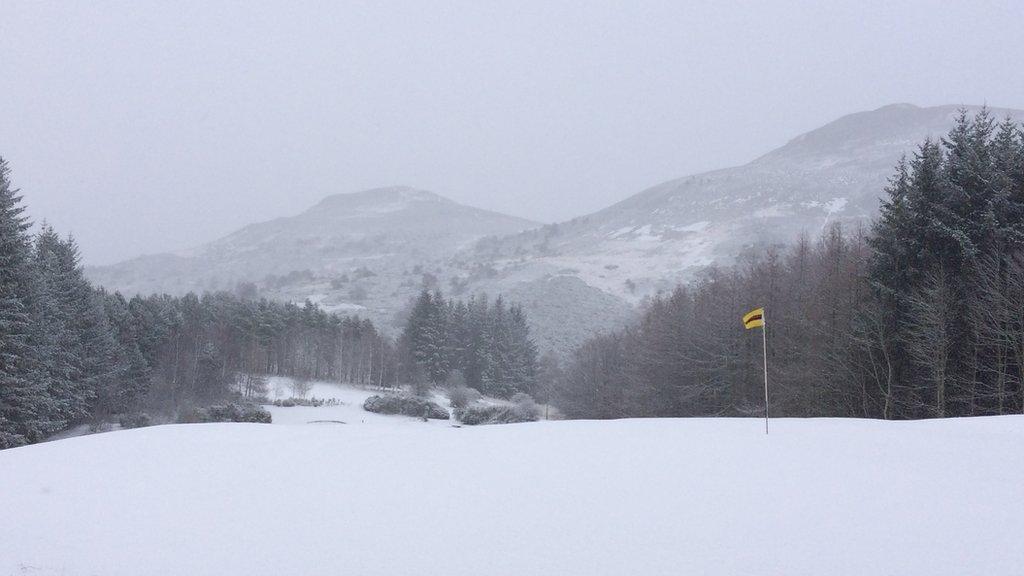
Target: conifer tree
25, 408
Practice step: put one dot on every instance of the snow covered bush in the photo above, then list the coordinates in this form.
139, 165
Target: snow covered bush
290, 402
405, 405
226, 413
476, 414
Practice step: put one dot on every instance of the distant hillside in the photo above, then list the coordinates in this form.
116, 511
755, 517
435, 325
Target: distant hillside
661, 236
340, 236
364, 253
370, 252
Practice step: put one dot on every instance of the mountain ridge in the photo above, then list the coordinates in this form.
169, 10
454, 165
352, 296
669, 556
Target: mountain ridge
664, 234
368, 252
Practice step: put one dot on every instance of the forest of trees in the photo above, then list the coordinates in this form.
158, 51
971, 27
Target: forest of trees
922, 315
477, 343
70, 353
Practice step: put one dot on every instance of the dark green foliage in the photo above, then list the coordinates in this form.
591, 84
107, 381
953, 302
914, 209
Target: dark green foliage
943, 262
84, 359
27, 411
489, 345
405, 405
226, 413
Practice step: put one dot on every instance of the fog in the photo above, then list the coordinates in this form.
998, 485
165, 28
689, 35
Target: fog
144, 127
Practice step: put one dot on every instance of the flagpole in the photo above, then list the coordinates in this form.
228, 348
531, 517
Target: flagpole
764, 341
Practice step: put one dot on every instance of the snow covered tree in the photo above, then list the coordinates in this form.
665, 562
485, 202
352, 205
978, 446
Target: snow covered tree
488, 344
522, 353
26, 409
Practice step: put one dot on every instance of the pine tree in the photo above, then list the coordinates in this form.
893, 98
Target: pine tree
25, 408
522, 353
475, 356
426, 340
496, 378
58, 344
133, 382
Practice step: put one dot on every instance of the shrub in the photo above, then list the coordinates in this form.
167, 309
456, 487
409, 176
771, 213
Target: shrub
138, 420
496, 414
405, 405
289, 402
226, 413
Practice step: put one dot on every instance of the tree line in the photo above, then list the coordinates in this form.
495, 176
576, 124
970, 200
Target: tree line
920, 315
478, 343
208, 348
71, 353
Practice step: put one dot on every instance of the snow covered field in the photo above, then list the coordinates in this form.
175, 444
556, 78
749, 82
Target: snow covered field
698, 496
349, 411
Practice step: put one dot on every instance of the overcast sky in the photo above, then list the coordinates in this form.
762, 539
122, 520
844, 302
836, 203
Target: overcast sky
144, 127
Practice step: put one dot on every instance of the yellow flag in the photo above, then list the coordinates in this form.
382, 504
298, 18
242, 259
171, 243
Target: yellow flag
754, 319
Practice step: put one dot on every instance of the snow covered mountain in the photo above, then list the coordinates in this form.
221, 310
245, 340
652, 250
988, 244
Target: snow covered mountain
369, 252
661, 236
339, 235
362, 252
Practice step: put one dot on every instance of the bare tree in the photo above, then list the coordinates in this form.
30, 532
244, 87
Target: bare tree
301, 387
929, 339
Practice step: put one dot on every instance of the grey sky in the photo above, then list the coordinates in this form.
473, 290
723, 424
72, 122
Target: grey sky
152, 126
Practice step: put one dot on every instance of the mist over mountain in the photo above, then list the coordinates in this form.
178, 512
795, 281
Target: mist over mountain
347, 252
370, 252
663, 235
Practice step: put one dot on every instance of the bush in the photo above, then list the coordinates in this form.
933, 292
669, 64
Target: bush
497, 414
289, 402
226, 413
405, 405
139, 420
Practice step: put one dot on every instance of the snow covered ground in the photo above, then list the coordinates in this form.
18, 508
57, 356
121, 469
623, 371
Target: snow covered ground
696, 496
348, 411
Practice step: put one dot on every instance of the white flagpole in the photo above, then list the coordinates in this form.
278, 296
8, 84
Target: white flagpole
764, 340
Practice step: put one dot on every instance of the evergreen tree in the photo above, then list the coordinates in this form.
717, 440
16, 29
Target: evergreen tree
489, 345
25, 408
522, 353
59, 345
133, 382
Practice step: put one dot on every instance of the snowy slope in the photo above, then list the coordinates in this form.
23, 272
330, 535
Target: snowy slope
364, 252
368, 253
663, 235
699, 496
